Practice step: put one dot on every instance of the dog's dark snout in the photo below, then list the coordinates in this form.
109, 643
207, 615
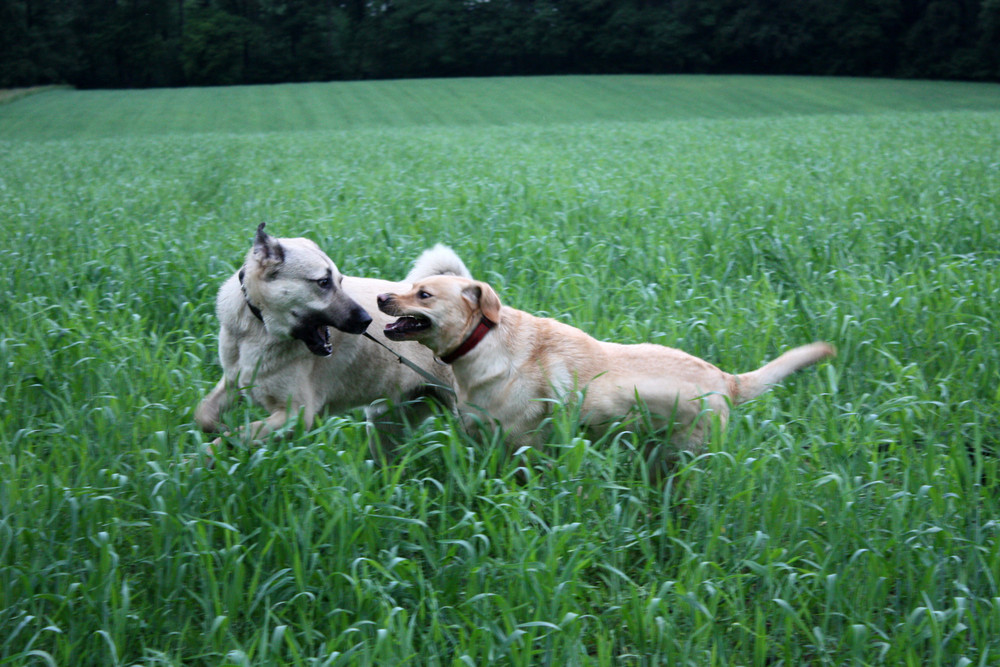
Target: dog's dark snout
383, 300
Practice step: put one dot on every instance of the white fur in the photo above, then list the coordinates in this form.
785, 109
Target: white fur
259, 359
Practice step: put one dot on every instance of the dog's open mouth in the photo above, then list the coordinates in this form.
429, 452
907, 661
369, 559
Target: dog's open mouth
406, 326
317, 339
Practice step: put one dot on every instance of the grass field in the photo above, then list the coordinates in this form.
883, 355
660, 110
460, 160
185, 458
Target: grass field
851, 516
455, 103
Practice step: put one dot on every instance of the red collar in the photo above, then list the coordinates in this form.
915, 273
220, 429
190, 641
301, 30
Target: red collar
477, 335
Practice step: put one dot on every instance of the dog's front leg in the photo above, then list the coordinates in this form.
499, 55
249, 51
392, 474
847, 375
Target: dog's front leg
208, 414
257, 431
254, 433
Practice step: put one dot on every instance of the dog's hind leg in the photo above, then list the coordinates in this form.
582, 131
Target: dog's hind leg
389, 424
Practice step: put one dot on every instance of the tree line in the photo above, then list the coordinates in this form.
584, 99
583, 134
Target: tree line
146, 43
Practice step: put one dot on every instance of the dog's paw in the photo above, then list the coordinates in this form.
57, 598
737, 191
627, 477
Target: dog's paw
207, 457
214, 450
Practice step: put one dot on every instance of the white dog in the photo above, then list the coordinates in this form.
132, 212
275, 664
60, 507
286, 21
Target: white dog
509, 364
289, 338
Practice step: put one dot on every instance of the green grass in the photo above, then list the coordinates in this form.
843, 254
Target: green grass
848, 517
471, 102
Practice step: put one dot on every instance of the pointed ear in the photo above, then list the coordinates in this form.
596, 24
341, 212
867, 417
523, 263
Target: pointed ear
266, 249
483, 296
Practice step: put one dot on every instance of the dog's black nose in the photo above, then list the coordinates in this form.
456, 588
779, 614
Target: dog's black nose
361, 320
382, 299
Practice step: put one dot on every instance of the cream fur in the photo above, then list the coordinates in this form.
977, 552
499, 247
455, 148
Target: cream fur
526, 359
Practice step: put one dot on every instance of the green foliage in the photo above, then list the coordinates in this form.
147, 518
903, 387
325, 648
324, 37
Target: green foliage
214, 45
144, 43
848, 517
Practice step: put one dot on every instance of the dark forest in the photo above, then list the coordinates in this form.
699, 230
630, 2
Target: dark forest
148, 43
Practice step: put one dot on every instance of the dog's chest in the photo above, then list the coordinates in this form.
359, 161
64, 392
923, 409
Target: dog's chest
266, 369
504, 393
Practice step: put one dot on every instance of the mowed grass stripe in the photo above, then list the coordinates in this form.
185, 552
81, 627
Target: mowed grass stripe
448, 102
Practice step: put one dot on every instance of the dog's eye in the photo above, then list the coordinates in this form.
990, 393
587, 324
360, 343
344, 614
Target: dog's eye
324, 283
423, 295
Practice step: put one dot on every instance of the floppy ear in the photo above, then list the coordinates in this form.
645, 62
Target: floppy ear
266, 249
483, 295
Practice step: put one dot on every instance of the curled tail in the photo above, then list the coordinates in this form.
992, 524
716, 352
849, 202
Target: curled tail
751, 385
437, 261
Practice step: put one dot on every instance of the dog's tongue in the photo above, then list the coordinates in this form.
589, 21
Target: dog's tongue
402, 324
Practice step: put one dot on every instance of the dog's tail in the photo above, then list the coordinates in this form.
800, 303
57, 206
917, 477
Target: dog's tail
746, 386
437, 261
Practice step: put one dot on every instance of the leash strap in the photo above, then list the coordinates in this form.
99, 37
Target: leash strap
403, 360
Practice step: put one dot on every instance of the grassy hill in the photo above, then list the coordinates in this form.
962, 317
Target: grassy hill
470, 102
847, 517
